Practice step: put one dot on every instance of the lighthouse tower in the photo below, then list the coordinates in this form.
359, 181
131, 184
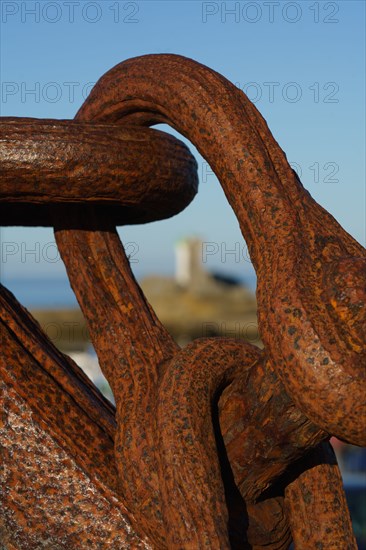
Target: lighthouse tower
189, 271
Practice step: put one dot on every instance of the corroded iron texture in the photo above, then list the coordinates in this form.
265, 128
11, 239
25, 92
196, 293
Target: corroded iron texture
218, 445
313, 494
58, 477
296, 247
56, 505
45, 163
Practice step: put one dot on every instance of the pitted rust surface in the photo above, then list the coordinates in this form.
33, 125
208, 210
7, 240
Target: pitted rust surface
259, 446
58, 479
291, 239
187, 445
58, 391
314, 496
44, 163
53, 503
212, 442
130, 343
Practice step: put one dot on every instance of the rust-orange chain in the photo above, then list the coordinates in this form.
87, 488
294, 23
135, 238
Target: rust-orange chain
293, 244
58, 480
44, 163
300, 253
212, 442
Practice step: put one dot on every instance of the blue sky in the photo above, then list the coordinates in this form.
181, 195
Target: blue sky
302, 63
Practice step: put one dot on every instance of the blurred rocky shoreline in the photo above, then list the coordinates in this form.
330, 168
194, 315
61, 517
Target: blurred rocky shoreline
217, 308
194, 303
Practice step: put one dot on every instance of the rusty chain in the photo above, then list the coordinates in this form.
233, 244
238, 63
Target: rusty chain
220, 444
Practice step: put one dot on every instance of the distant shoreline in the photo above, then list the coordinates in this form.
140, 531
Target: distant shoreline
55, 293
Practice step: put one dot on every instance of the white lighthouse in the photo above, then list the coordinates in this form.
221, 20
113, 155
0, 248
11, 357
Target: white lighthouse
189, 271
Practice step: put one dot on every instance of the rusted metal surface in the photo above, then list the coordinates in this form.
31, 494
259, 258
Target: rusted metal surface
49, 500
314, 497
294, 244
215, 444
58, 479
45, 163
